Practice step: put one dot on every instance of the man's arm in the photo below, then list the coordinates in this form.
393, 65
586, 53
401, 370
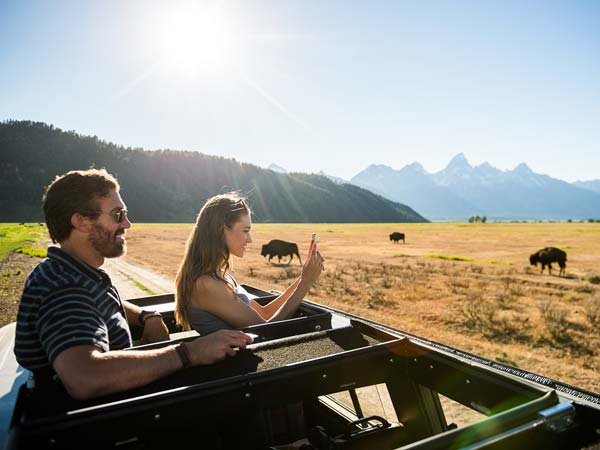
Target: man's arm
132, 311
87, 372
155, 329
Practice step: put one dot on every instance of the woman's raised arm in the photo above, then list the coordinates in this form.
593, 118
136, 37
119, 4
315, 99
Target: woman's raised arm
284, 306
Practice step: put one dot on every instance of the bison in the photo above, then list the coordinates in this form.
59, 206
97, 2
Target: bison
396, 237
280, 248
547, 256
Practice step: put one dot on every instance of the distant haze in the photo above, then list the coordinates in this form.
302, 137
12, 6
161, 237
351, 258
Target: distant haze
461, 190
315, 85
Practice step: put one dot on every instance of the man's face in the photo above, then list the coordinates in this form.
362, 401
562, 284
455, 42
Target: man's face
107, 236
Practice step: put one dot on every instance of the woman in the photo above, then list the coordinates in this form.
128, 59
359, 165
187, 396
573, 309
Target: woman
208, 298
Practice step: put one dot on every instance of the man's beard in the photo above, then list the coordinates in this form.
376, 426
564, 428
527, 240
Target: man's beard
105, 242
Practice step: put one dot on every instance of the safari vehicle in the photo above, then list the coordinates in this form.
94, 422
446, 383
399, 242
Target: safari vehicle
324, 379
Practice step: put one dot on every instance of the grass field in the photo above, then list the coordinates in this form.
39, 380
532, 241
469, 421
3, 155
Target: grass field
24, 238
21, 246
467, 285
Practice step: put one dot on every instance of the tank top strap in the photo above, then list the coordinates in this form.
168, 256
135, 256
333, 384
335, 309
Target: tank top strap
230, 278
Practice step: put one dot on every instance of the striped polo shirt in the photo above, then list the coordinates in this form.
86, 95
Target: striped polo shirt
66, 303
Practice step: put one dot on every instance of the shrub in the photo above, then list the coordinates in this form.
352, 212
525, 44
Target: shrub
458, 284
592, 311
504, 358
337, 274
476, 269
505, 300
477, 314
593, 278
376, 298
508, 328
555, 319
386, 283
585, 289
483, 316
511, 289
292, 273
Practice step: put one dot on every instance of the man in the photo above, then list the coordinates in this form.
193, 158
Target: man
72, 325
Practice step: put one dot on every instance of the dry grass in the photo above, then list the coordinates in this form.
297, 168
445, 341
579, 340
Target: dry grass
478, 293
14, 270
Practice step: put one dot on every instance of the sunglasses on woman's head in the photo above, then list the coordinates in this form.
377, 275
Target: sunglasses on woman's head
237, 206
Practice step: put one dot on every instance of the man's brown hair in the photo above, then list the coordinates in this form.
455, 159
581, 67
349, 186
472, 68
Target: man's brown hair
76, 191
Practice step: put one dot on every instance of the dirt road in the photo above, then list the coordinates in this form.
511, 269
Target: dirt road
133, 280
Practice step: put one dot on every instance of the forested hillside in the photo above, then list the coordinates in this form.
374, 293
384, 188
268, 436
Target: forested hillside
171, 186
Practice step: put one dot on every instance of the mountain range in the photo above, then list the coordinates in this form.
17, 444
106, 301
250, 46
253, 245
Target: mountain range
461, 190
592, 185
171, 186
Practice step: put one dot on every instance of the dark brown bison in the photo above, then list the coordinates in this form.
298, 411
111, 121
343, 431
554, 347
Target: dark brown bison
396, 237
547, 256
280, 248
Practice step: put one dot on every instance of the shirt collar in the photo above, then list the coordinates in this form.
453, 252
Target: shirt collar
58, 254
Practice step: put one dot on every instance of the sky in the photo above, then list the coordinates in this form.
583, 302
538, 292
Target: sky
313, 85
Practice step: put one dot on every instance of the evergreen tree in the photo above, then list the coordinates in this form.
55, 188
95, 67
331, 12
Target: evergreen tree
171, 186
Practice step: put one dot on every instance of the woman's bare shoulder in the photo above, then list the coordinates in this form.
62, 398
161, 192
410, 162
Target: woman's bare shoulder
208, 288
208, 282
211, 285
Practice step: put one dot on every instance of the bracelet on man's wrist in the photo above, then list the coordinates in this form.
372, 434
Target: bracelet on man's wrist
145, 315
184, 355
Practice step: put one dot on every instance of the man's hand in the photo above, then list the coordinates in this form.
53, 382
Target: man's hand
155, 330
216, 346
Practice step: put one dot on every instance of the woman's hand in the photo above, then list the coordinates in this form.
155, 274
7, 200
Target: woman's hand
313, 265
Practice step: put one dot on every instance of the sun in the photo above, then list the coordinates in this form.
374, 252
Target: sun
197, 41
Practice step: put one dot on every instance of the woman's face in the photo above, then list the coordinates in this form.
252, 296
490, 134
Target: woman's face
237, 237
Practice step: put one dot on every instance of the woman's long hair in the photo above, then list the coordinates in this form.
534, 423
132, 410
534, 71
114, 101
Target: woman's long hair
206, 251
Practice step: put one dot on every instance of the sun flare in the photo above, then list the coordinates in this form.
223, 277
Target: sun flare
197, 41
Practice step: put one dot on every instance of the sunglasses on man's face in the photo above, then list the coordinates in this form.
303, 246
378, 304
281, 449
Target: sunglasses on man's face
119, 216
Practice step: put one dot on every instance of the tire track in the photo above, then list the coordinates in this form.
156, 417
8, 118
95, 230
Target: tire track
131, 279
